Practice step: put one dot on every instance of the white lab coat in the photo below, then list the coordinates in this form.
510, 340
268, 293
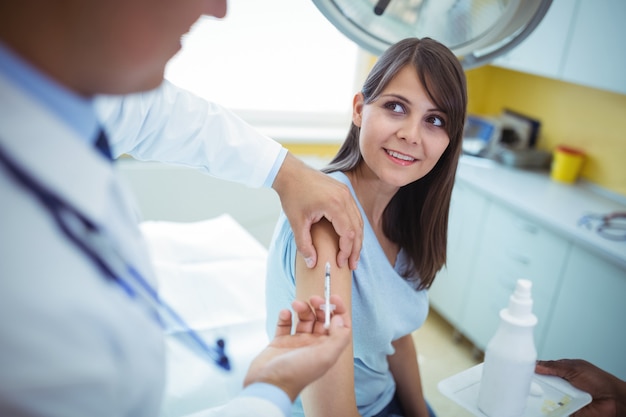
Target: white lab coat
172, 125
72, 344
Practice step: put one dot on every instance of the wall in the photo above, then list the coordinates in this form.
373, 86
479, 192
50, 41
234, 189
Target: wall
590, 119
181, 194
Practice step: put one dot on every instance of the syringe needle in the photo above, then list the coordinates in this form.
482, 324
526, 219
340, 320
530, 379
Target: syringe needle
327, 296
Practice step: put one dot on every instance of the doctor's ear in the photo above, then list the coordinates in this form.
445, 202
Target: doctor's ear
357, 108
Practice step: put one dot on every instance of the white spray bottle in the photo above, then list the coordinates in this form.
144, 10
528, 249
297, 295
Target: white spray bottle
510, 358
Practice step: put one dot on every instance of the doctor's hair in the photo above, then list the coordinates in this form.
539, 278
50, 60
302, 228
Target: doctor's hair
416, 218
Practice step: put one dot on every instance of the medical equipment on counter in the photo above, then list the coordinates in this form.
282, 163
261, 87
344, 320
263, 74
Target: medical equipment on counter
94, 244
610, 226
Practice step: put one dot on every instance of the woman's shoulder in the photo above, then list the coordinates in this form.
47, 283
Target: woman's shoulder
339, 176
282, 229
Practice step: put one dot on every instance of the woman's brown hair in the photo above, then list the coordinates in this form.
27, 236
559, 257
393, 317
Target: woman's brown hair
416, 218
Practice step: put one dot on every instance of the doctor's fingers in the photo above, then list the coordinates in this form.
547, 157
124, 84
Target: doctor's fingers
283, 326
349, 228
308, 315
332, 200
349, 250
348, 223
339, 336
307, 318
338, 310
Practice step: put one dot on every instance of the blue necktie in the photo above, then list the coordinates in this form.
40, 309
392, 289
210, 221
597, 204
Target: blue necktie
102, 145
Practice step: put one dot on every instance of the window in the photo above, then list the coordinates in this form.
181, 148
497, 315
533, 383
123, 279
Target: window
279, 64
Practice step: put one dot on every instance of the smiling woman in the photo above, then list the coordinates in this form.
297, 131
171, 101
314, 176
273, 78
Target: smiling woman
283, 67
399, 161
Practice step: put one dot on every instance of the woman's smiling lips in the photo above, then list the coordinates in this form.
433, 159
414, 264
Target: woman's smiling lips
400, 158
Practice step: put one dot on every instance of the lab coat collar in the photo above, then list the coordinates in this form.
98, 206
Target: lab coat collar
71, 108
53, 153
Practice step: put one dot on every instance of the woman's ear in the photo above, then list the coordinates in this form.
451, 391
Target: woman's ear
357, 109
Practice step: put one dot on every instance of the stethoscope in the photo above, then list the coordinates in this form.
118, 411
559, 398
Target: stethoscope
610, 226
96, 246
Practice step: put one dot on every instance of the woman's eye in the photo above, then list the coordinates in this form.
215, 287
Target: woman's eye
436, 121
395, 107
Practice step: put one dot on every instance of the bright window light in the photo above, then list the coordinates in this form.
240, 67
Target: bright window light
278, 63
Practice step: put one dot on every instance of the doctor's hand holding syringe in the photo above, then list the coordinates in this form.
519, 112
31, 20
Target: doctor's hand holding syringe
292, 361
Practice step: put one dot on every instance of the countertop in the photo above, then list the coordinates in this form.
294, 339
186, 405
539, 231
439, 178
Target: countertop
555, 205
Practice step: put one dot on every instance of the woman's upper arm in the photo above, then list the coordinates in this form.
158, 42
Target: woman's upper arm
333, 394
310, 281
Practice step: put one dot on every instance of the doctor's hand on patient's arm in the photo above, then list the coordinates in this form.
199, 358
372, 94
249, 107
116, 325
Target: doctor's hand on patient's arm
291, 362
307, 195
607, 391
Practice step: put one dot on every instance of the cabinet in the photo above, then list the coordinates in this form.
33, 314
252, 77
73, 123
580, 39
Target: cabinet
507, 224
596, 55
541, 53
578, 41
589, 312
448, 292
512, 247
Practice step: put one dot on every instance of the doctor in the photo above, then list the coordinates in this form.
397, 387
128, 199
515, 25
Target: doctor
76, 334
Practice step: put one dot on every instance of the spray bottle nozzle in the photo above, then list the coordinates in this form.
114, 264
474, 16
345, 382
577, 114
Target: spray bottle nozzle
520, 302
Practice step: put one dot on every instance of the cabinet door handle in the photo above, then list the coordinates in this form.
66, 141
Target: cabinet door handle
527, 227
523, 259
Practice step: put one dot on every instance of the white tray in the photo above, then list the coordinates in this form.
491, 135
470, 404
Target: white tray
550, 396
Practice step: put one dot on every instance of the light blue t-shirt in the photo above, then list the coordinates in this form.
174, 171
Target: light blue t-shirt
385, 307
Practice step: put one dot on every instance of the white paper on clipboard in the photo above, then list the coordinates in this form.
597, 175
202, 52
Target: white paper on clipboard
556, 397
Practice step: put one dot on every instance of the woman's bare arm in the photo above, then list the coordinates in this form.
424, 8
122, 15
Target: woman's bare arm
332, 394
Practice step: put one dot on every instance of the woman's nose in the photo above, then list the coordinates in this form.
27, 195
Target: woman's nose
410, 132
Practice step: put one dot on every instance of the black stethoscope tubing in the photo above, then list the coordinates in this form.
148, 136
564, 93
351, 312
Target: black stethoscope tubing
69, 220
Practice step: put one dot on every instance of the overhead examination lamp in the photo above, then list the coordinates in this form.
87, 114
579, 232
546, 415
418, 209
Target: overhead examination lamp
477, 31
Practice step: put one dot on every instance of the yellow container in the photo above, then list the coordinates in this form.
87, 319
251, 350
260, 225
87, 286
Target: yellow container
566, 164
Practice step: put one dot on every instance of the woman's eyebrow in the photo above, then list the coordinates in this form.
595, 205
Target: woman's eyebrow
406, 100
396, 96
